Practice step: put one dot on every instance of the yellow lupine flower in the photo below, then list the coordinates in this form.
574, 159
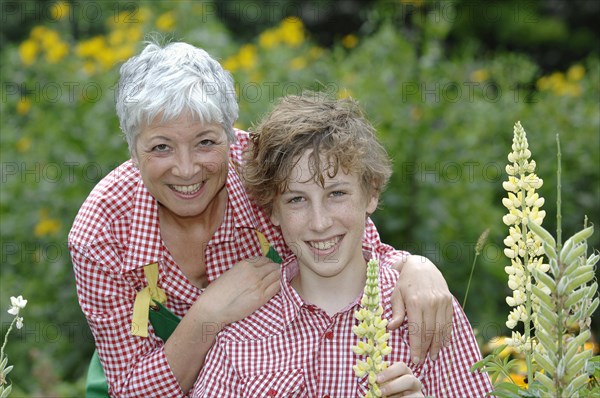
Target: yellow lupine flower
23, 106
166, 21
372, 331
28, 51
38, 32
59, 10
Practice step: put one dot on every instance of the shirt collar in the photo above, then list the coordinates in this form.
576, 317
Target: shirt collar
145, 244
293, 303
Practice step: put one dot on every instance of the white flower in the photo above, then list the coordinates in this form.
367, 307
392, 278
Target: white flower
17, 303
19, 323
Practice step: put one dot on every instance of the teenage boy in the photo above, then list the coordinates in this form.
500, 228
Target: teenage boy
317, 168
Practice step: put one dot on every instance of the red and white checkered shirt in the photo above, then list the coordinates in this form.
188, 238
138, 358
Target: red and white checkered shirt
116, 233
289, 348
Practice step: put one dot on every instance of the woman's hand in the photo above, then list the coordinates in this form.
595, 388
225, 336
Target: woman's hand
422, 295
241, 290
399, 381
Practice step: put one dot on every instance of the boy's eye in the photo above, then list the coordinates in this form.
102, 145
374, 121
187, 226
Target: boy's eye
337, 193
295, 199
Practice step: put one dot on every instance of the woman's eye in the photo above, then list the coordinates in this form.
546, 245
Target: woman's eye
160, 148
207, 142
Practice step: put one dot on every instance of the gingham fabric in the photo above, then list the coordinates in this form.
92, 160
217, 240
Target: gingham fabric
290, 348
116, 233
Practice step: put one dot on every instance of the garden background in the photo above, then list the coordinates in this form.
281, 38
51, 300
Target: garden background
443, 81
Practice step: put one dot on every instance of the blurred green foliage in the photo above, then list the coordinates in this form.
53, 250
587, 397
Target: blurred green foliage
444, 108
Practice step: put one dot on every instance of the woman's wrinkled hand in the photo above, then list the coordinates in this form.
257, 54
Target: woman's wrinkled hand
241, 290
422, 295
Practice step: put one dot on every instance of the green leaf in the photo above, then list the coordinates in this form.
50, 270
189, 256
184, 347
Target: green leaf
590, 310
545, 279
546, 382
574, 254
545, 363
576, 296
576, 343
6, 392
593, 259
506, 389
580, 280
580, 236
544, 235
577, 363
576, 384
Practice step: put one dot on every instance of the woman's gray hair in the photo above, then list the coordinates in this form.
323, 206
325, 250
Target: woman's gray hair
172, 81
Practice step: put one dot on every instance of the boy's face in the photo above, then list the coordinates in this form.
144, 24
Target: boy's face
323, 226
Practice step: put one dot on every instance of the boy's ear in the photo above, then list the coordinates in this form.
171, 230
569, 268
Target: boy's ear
275, 216
373, 202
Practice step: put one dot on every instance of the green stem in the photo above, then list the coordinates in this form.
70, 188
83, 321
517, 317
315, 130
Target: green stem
469, 283
6, 337
528, 279
558, 197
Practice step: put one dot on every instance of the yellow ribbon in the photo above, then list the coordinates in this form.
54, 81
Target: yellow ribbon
143, 301
264, 243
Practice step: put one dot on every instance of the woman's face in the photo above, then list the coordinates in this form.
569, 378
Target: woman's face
183, 164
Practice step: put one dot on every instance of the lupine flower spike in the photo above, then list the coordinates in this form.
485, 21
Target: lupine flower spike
372, 332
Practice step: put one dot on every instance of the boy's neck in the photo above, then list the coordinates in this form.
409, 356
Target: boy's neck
332, 294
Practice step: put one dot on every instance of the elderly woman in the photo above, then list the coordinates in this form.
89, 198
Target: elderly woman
179, 204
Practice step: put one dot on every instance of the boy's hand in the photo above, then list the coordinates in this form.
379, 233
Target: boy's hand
422, 295
399, 381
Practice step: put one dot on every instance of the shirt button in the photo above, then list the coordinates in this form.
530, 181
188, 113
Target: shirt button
326, 396
329, 335
271, 393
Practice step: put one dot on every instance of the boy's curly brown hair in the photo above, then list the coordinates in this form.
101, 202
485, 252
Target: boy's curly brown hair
335, 131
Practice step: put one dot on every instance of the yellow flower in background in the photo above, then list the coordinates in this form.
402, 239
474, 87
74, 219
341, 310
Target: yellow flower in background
38, 32
47, 225
268, 39
166, 21
231, 64
23, 144
56, 52
350, 41
563, 85
298, 63
28, 51
315, 52
575, 73
480, 75
59, 10
247, 56
291, 31
23, 106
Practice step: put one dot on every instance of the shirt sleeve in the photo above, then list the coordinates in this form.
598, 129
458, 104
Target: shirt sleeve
450, 375
388, 256
217, 377
134, 366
